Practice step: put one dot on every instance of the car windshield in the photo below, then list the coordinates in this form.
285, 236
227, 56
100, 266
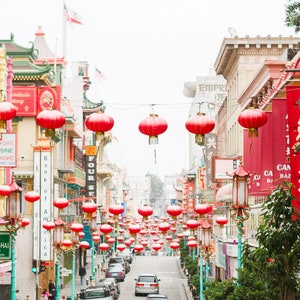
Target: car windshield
94, 294
147, 279
116, 260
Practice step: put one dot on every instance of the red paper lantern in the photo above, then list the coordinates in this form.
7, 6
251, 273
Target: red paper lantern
164, 227
25, 222
116, 209
221, 220
111, 240
32, 196
202, 209
67, 243
103, 246
121, 247
200, 125
180, 235
156, 247
50, 119
144, 243
120, 239
48, 225
99, 123
106, 228
96, 238
7, 112
153, 126
89, 208
145, 211
174, 210
5, 190
192, 224
81, 234
84, 245
138, 248
252, 118
61, 203
134, 228
76, 227
192, 244
174, 245
168, 238
128, 242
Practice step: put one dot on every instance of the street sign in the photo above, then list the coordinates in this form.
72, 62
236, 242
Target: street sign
5, 246
66, 272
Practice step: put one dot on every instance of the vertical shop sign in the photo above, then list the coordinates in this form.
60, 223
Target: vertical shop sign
91, 172
42, 209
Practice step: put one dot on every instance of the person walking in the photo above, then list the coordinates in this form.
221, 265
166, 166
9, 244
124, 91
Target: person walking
82, 273
18, 295
44, 295
52, 290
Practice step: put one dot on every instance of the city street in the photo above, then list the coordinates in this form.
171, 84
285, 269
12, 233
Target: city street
165, 267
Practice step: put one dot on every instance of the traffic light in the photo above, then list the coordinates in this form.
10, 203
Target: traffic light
42, 266
34, 266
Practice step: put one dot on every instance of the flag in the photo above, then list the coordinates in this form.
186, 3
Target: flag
98, 73
71, 16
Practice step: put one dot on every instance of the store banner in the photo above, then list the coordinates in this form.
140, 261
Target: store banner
293, 111
265, 156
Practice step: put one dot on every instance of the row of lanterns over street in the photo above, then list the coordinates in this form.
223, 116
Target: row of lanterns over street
99, 122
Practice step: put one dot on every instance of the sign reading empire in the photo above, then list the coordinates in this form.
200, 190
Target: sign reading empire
8, 150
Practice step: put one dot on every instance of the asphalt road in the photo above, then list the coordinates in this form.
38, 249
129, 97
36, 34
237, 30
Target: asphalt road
166, 268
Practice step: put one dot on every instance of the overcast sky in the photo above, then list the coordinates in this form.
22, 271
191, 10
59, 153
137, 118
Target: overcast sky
146, 51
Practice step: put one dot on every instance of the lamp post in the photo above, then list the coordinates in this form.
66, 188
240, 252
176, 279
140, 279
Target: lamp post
239, 210
13, 221
76, 228
58, 238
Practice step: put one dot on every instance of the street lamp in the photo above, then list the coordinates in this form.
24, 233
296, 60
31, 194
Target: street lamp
239, 210
76, 229
13, 221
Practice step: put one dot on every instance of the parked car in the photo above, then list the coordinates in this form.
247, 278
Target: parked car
116, 271
119, 260
127, 255
113, 286
95, 292
156, 297
127, 267
147, 284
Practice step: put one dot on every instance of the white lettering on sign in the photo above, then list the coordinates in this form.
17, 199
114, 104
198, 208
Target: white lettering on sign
8, 150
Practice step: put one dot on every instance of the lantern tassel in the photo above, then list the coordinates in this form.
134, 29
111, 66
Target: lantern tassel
154, 156
250, 147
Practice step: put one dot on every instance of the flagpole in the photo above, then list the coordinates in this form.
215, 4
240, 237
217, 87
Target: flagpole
64, 31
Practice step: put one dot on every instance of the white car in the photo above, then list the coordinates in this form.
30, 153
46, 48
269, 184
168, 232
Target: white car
146, 284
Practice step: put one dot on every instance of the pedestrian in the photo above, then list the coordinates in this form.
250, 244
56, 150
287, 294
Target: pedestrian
82, 273
63, 298
52, 290
27, 297
44, 295
18, 295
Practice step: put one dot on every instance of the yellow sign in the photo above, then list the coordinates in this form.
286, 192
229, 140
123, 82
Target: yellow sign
90, 150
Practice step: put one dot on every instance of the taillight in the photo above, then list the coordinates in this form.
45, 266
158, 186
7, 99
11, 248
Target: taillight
121, 273
154, 284
139, 284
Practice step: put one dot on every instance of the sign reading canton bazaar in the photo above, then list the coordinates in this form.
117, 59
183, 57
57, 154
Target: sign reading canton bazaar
91, 171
